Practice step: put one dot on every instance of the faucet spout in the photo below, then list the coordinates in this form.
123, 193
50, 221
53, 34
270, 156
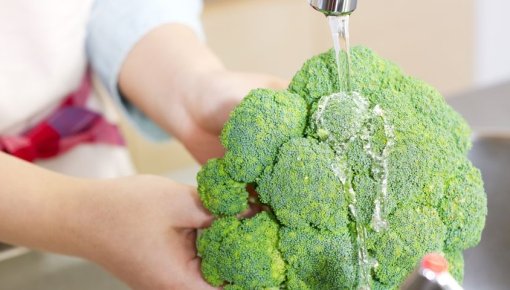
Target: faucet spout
334, 7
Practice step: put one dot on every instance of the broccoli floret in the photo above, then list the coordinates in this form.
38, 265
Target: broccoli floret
257, 127
361, 184
463, 207
242, 253
319, 259
317, 78
219, 193
303, 169
416, 231
209, 245
370, 74
455, 264
339, 117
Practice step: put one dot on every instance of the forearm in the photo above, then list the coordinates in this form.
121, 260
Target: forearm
140, 228
35, 205
180, 84
164, 72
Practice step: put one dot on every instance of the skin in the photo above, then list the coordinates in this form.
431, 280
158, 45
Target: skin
190, 94
141, 228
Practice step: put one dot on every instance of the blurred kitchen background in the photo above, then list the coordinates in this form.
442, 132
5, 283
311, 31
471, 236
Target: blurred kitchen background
454, 45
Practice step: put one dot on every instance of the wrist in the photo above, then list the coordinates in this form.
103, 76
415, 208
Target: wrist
67, 227
34, 206
162, 72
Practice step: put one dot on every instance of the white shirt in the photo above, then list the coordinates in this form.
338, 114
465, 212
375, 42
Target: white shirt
43, 57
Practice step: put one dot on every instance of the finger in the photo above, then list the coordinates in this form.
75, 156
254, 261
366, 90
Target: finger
195, 276
278, 84
252, 210
207, 140
187, 243
189, 211
214, 149
268, 81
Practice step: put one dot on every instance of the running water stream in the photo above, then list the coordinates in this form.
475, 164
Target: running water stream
339, 26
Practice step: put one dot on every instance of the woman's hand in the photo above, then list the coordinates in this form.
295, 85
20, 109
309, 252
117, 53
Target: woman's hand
216, 95
174, 78
142, 229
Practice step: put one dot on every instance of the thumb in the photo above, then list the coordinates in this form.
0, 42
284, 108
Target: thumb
277, 83
195, 277
189, 211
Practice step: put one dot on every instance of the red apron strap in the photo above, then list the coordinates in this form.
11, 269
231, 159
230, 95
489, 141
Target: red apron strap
72, 123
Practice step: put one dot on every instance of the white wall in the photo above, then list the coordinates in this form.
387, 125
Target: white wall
492, 60
277, 36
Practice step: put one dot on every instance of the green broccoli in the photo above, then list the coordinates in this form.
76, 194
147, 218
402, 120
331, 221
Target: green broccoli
257, 128
417, 232
339, 117
456, 264
464, 205
355, 187
310, 164
219, 192
318, 259
242, 253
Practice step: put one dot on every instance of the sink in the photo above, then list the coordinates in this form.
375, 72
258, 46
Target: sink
487, 111
487, 264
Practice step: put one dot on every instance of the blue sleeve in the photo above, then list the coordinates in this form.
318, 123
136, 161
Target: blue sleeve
115, 26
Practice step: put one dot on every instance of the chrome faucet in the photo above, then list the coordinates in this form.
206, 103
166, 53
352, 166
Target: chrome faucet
334, 7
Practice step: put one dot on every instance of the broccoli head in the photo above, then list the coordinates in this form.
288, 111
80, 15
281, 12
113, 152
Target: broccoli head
242, 253
257, 128
355, 187
309, 163
219, 192
318, 259
419, 231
